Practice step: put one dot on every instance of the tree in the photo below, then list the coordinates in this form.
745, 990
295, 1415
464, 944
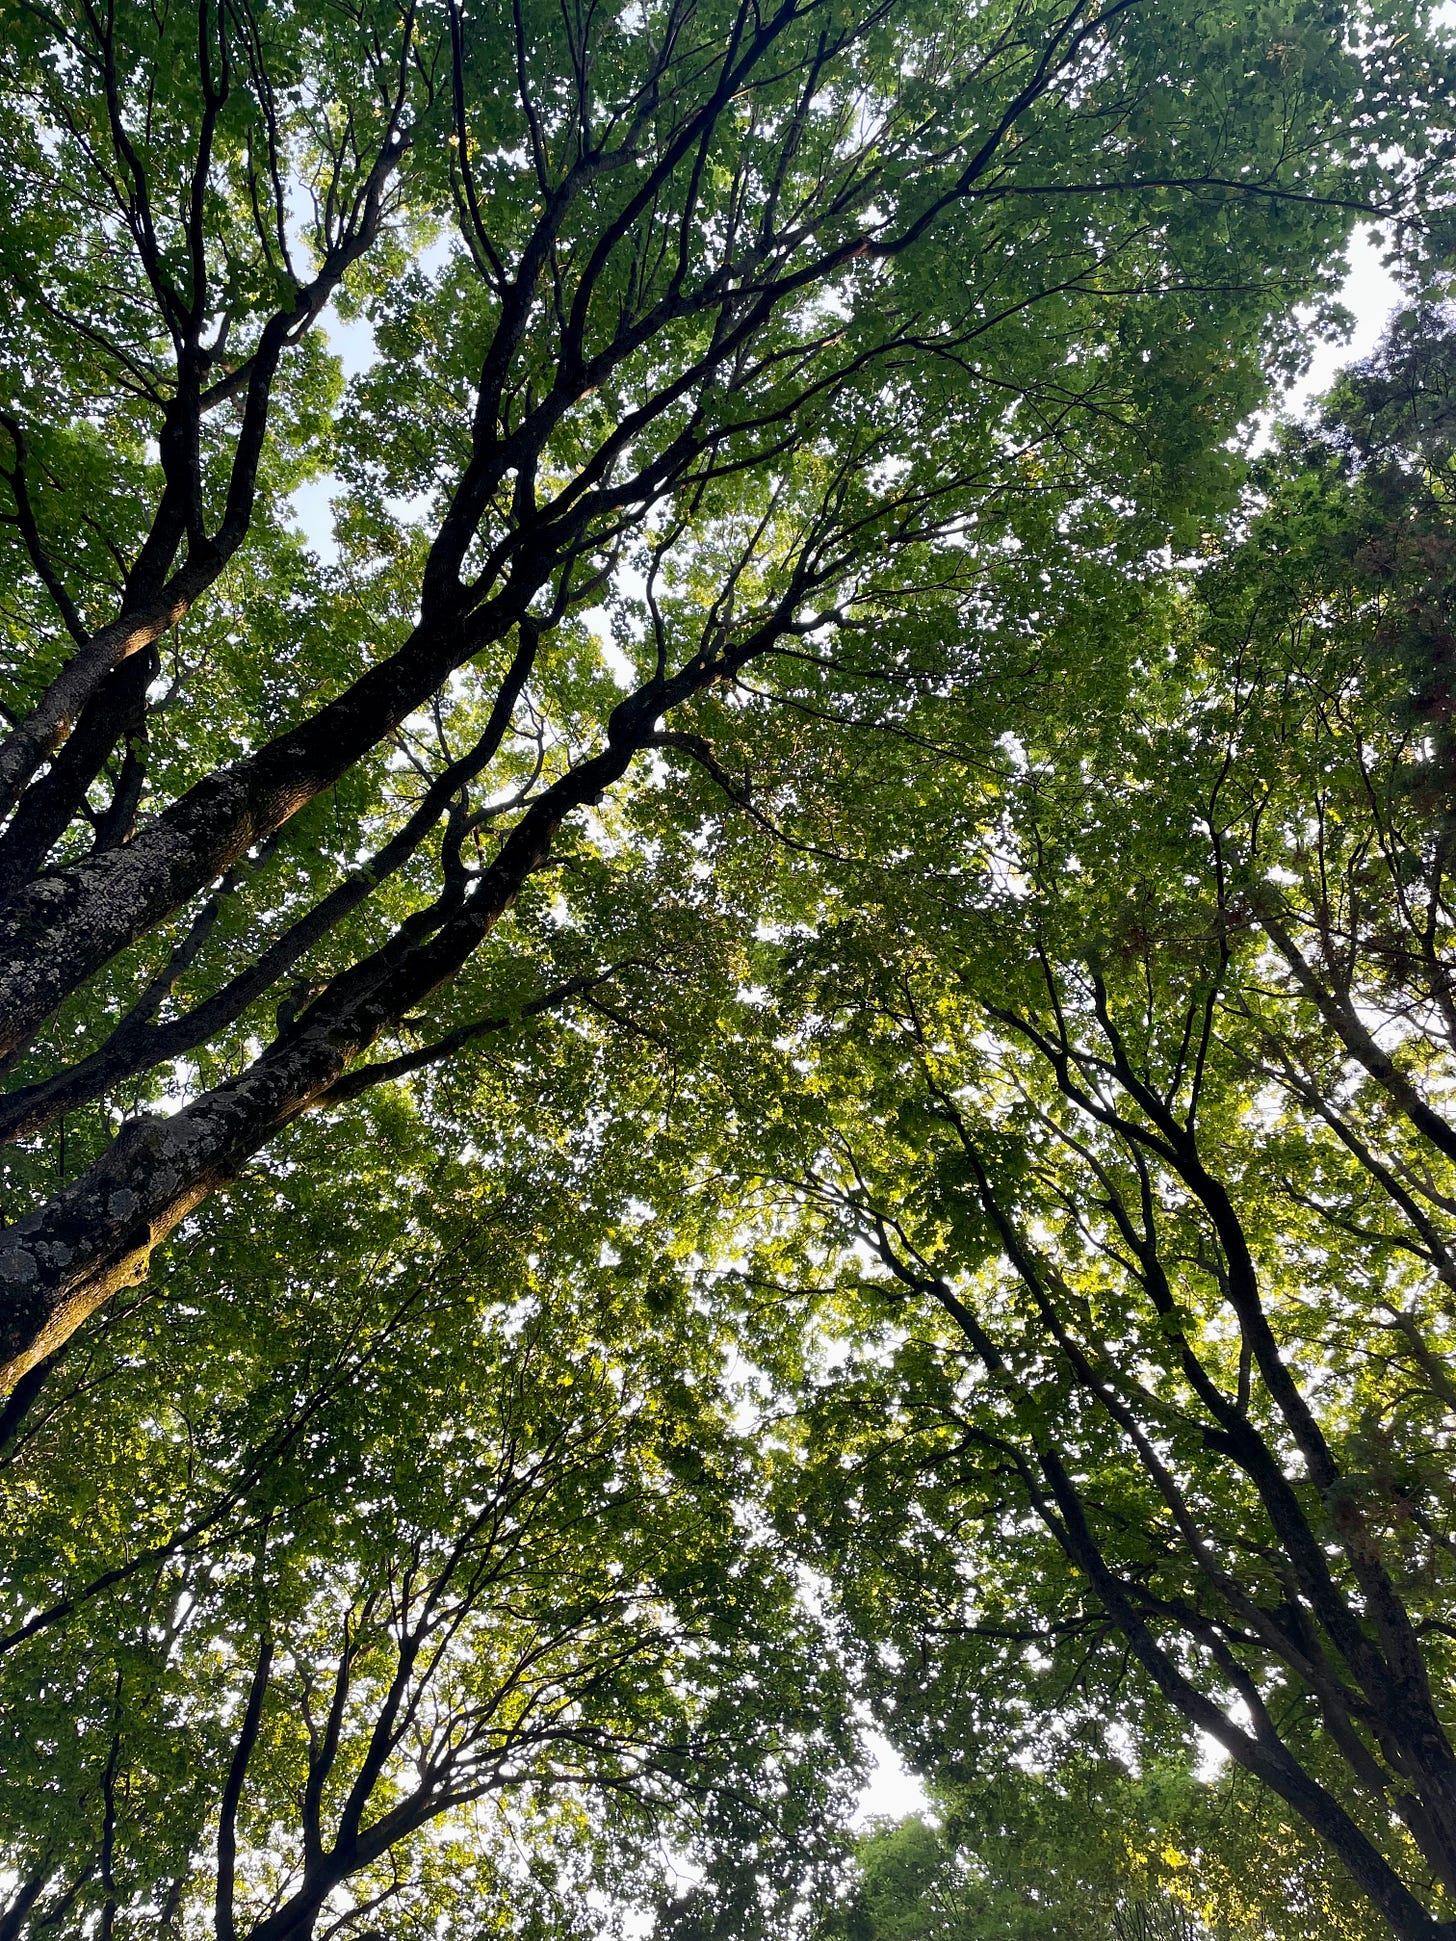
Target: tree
1012, 1853
1145, 1127
709, 320
444, 1599
1026, 1856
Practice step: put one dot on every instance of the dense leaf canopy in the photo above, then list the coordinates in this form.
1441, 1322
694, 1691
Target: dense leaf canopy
784, 991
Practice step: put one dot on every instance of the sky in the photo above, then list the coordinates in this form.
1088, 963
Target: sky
1370, 293
893, 1790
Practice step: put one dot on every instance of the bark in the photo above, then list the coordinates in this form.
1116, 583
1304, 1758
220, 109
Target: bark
1343, 1634
156, 596
68, 923
60, 1263
61, 927
116, 712
139, 1044
1064, 1510
227, 1829
17, 1908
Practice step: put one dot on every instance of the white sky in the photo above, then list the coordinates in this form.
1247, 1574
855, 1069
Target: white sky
893, 1791
1370, 292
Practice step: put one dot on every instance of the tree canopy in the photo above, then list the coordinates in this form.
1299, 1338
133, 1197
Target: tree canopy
1141, 1136
788, 1006
736, 330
